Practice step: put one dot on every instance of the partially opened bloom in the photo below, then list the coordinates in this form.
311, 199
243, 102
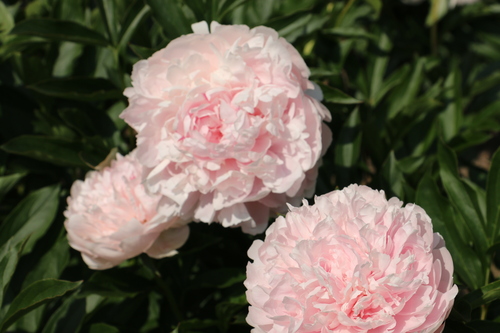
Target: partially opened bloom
228, 124
111, 218
352, 262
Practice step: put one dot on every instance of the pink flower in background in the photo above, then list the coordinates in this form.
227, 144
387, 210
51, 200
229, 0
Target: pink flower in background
229, 125
111, 218
352, 262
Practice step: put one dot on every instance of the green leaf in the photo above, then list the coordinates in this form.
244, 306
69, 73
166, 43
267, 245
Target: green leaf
59, 30
377, 69
6, 20
82, 89
467, 263
460, 198
36, 294
437, 10
49, 149
10, 253
484, 325
406, 92
103, 328
348, 145
451, 117
493, 197
108, 11
31, 217
131, 23
351, 32
171, 16
8, 182
194, 325
218, 278
481, 85
334, 95
392, 81
393, 176
483, 295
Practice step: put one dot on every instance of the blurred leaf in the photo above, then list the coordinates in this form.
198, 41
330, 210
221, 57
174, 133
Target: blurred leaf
194, 325
68, 317
131, 23
6, 20
348, 145
467, 264
142, 52
483, 295
484, 326
350, 32
171, 16
228, 6
451, 117
8, 182
51, 264
376, 70
33, 296
53, 150
437, 10
59, 30
460, 199
89, 122
83, 89
334, 95
108, 11
393, 176
10, 252
392, 81
218, 278
31, 217
103, 328
493, 197
406, 92
481, 85
66, 60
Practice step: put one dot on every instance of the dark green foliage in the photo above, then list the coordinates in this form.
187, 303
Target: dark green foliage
414, 95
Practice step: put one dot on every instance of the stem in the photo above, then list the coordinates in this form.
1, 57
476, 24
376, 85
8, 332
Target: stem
434, 39
343, 12
163, 287
484, 311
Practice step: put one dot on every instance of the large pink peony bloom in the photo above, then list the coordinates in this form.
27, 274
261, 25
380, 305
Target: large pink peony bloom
111, 218
227, 124
353, 262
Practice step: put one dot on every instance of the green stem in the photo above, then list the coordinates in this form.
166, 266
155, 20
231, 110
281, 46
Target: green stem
163, 287
343, 12
434, 39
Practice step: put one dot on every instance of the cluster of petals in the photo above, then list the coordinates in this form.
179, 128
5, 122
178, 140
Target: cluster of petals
352, 262
228, 125
111, 217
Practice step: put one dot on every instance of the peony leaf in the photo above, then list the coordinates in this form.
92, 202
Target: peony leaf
172, 18
108, 10
49, 149
31, 217
34, 296
8, 182
451, 117
59, 30
10, 253
378, 68
493, 197
467, 263
103, 328
438, 9
348, 148
350, 32
334, 95
460, 198
81, 89
218, 278
134, 17
394, 176
483, 295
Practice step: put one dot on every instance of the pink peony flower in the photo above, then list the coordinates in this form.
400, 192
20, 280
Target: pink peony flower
111, 218
353, 262
227, 125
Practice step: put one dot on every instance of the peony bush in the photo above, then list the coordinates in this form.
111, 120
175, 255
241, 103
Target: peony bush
352, 262
231, 125
228, 125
